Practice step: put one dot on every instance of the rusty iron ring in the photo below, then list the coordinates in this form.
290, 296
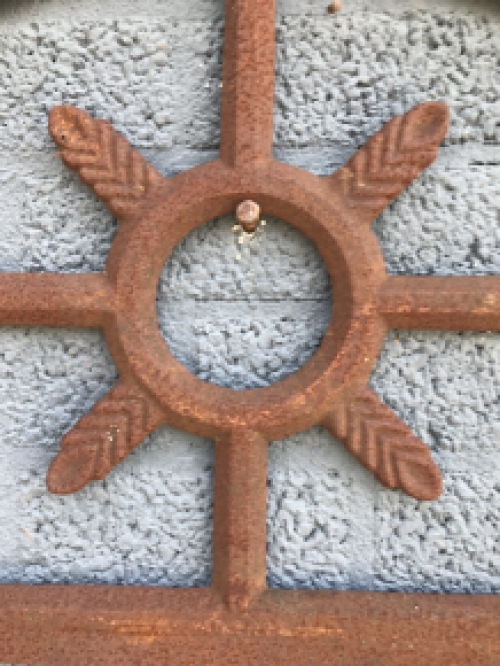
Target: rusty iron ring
350, 346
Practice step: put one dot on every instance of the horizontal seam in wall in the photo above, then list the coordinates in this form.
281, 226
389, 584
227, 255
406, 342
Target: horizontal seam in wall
243, 300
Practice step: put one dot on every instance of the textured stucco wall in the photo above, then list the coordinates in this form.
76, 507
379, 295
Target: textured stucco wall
153, 69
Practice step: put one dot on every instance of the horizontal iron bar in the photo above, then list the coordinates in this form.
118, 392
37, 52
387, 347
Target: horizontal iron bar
77, 625
444, 303
54, 299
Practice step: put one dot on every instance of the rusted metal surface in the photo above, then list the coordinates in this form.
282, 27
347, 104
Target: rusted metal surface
248, 215
335, 6
88, 626
333, 212
238, 620
384, 445
239, 571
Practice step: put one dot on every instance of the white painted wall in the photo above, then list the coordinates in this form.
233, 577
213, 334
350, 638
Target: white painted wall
153, 69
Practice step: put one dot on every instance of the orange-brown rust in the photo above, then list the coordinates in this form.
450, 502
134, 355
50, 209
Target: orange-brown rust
335, 6
238, 620
248, 81
248, 215
385, 445
34, 299
78, 626
442, 303
239, 573
392, 159
117, 424
105, 161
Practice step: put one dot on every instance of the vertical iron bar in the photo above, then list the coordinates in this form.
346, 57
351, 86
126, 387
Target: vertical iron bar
248, 81
240, 499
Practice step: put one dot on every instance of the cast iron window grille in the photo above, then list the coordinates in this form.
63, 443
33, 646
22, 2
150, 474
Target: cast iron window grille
238, 620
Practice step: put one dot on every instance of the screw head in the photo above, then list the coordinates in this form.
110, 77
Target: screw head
335, 6
248, 215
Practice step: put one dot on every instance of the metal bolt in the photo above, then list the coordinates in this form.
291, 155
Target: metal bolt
248, 215
335, 6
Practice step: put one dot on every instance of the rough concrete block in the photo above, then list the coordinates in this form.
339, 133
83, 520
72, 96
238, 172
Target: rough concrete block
450, 545
445, 223
50, 221
445, 386
48, 379
157, 82
136, 527
216, 263
340, 79
15, 13
320, 515
118, 530
241, 344
394, 7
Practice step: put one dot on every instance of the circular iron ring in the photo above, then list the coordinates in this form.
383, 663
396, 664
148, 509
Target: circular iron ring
350, 345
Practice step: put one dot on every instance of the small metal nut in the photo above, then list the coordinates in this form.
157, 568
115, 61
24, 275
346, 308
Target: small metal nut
248, 215
335, 6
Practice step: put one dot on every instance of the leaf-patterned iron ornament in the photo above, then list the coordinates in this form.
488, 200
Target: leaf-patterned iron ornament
156, 213
133, 190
